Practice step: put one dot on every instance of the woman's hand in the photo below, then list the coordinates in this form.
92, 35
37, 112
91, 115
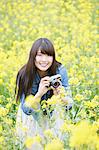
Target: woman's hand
43, 86
56, 91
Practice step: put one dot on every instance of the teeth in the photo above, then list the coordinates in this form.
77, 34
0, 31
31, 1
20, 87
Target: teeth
43, 65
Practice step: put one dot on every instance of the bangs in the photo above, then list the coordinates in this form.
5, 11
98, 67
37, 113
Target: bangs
47, 48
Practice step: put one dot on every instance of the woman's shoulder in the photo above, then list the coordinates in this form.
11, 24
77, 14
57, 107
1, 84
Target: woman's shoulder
64, 77
61, 68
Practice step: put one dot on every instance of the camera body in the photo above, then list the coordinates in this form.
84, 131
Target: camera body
55, 81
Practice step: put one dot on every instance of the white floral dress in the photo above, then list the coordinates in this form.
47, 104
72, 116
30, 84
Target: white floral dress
27, 126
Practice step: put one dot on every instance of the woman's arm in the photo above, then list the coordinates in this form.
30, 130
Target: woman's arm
33, 104
30, 106
27, 110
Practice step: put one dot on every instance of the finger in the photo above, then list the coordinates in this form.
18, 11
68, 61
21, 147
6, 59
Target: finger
52, 88
59, 87
46, 85
44, 82
47, 78
55, 93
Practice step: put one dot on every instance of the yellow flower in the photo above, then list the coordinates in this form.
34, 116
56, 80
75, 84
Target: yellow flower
29, 98
88, 92
8, 121
73, 81
44, 106
79, 97
96, 123
53, 100
1, 81
3, 111
1, 139
91, 104
32, 102
1, 128
57, 99
24, 128
37, 138
55, 144
62, 91
83, 134
48, 133
31, 140
64, 128
96, 98
8, 105
67, 127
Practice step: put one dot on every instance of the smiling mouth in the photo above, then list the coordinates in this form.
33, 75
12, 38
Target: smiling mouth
43, 65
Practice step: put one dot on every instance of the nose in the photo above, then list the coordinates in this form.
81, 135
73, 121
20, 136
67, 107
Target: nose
44, 58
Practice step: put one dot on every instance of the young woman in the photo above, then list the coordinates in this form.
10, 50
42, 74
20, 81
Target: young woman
34, 78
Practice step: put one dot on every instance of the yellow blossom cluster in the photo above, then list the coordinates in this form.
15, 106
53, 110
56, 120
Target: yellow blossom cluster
31, 140
84, 134
56, 144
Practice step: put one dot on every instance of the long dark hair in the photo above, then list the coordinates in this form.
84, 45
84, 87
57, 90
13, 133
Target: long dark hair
26, 74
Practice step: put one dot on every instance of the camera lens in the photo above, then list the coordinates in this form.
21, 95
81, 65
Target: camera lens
55, 81
56, 84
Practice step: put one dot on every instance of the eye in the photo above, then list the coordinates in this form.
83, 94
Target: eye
39, 54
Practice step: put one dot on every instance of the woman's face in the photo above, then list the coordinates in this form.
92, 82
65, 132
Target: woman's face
43, 61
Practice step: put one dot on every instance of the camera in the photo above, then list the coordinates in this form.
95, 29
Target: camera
55, 81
